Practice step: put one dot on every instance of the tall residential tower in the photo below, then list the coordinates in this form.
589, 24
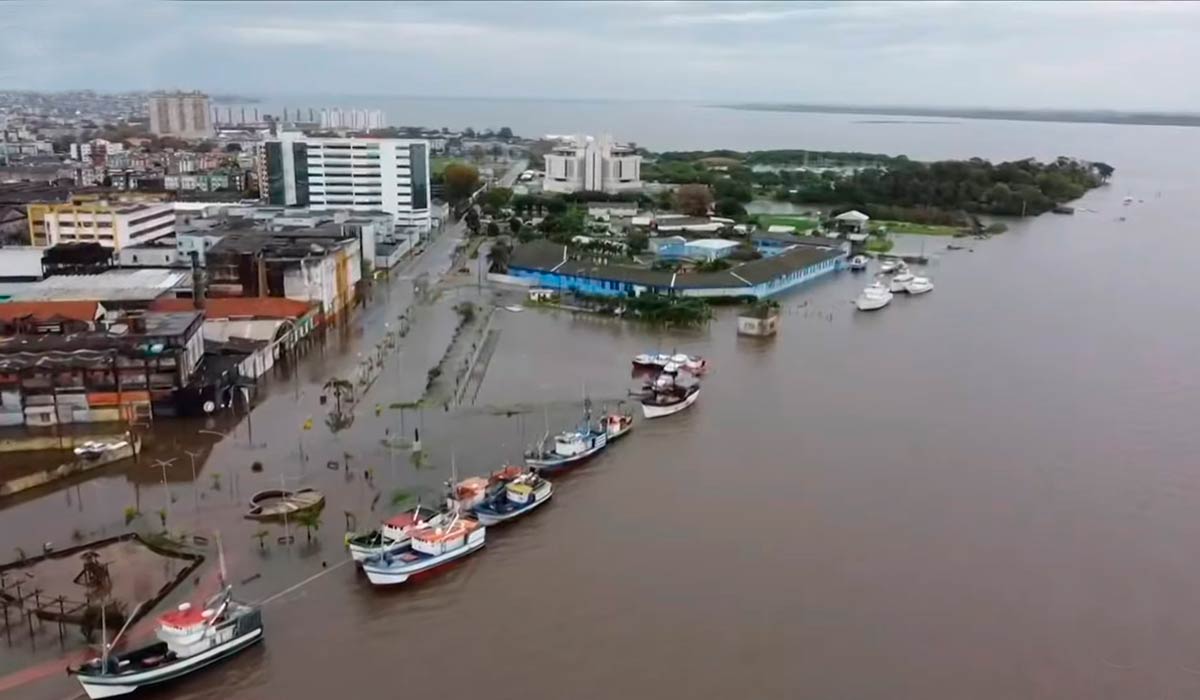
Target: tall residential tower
181, 114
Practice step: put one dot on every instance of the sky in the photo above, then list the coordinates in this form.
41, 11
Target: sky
1104, 55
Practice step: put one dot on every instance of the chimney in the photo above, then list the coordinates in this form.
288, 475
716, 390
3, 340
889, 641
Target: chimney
199, 288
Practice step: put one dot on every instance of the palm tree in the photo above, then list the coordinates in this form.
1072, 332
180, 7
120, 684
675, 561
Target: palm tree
499, 256
339, 387
310, 520
261, 536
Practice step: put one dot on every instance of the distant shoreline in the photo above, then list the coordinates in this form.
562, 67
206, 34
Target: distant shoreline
1027, 115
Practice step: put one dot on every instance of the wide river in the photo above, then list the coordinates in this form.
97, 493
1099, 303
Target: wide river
988, 492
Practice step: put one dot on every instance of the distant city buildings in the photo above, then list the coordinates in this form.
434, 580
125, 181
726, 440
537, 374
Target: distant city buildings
584, 164
360, 174
184, 115
357, 119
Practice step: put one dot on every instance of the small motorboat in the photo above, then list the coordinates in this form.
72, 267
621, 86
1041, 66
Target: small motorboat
665, 397
919, 285
858, 263
93, 449
429, 548
692, 363
188, 640
394, 533
618, 424
517, 498
276, 503
899, 283
651, 360
875, 296
891, 265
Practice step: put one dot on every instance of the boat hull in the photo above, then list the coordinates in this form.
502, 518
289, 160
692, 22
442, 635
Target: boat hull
104, 686
381, 574
361, 553
489, 518
872, 304
652, 411
557, 463
620, 433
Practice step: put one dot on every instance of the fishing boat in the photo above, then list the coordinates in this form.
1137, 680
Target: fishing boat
650, 360
517, 498
429, 548
568, 448
858, 263
692, 363
875, 296
664, 397
618, 424
919, 285
899, 282
394, 533
187, 640
660, 362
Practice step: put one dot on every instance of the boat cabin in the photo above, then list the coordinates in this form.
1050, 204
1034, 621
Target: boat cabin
433, 541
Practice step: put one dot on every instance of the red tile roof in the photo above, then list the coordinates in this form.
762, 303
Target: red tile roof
227, 307
46, 310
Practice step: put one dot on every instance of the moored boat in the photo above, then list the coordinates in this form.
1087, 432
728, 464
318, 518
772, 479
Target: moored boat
891, 265
618, 424
429, 549
664, 397
394, 533
517, 498
899, 282
188, 640
875, 296
858, 262
567, 448
919, 285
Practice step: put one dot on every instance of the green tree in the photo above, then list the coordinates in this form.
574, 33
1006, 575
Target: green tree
730, 208
515, 224
461, 181
498, 197
499, 256
505, 133
308, 519
693, 200
1104, 170
472, 219
493, 229
637, 242
261, 536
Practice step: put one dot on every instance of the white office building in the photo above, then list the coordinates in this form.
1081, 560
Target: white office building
182, 114
584, 164
363, 119
358, 174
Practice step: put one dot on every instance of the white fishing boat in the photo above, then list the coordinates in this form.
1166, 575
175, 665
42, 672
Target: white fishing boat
429, 548
858, 262
919, 285
517, 498
394, 533
664, 397
875, 296
899, 282
188, 640
671, 363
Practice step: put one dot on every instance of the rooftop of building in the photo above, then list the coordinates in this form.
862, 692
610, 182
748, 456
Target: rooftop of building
110, 285
794, 239
552, 257
27, 349
239, 307
298, 243
50, 310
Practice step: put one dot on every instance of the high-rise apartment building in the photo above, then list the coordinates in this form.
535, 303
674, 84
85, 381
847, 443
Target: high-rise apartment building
361, 174
184, 115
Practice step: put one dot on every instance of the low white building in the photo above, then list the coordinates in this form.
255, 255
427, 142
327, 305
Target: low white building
114, 225
584, 164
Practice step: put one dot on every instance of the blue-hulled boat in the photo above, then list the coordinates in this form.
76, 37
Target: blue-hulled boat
515, 499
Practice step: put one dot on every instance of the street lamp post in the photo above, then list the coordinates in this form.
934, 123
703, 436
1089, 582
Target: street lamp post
163, 464
195, 488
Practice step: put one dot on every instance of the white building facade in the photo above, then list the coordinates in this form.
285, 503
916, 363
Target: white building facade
182, 114
358, 174
584, 164
366, 119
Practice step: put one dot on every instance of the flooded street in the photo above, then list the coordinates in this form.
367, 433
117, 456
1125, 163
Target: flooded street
987, 492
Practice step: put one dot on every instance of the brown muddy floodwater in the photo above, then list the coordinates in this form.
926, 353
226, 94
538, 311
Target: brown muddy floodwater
987, 492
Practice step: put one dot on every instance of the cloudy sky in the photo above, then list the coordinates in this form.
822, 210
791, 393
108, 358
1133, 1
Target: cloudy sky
1136, 55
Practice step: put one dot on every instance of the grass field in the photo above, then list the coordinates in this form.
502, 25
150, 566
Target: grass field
802, 224
437, 165
918, 229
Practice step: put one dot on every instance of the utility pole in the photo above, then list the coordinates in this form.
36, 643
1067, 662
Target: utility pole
195, 488
163, 464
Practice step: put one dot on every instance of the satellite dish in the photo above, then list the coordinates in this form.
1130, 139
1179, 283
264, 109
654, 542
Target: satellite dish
209, 407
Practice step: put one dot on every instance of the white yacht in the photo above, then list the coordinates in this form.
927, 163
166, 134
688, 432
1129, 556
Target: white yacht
875, 296
900, 281
919, 285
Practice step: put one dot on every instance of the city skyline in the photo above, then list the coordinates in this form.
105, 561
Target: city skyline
1116, 55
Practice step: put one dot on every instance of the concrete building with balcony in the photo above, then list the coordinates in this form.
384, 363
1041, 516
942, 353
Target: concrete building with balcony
584, 164
359, 174
184, 115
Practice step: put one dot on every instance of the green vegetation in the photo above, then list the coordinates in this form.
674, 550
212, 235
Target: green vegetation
437, 166
895, 187
914, 228
309, 520
668, 311
461, 181
876, 244
998, 227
